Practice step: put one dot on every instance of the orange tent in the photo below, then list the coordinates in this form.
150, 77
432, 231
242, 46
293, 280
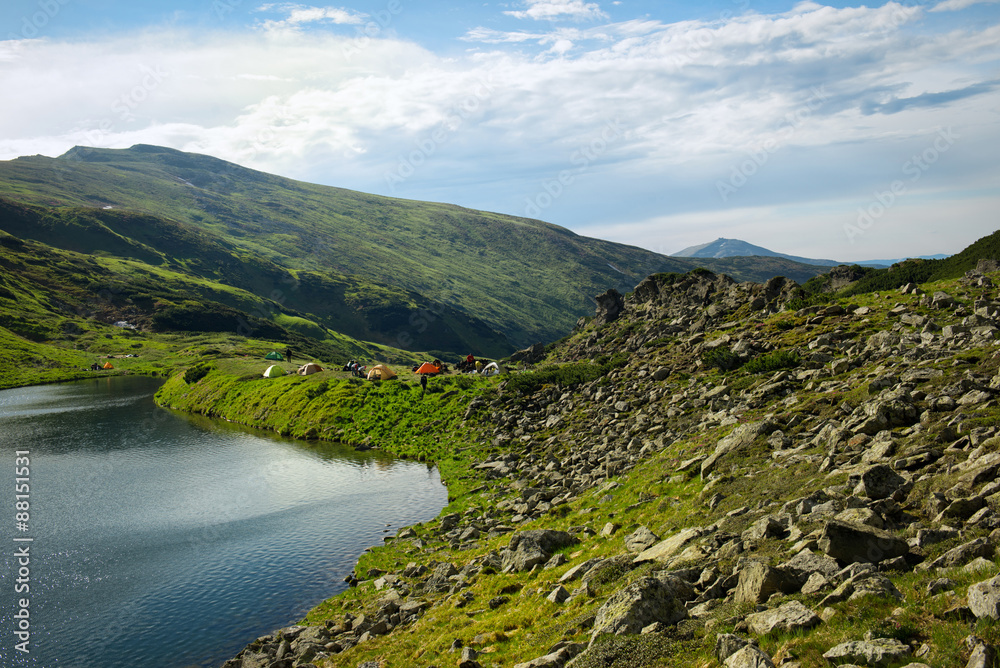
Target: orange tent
108, 365
427, 367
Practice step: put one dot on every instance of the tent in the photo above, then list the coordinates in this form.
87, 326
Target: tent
108, 365
491, 369
274, 355
309, 369
428, 368
381, 372
274, 371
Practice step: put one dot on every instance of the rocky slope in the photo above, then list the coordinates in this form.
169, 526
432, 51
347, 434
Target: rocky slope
705, 476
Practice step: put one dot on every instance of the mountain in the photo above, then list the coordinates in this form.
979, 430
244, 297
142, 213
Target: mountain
735, 248
724, 248
415, 275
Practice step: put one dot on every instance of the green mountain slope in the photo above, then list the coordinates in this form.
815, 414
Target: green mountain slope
192, 264
527, 279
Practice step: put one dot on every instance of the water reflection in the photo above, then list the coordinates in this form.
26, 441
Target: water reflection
172, 540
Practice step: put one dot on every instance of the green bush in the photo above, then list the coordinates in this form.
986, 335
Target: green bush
782, 359
721, 358
197, 372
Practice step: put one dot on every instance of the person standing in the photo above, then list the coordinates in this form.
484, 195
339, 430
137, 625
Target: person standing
288, 354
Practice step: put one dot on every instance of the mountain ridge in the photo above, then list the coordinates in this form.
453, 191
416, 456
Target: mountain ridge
723, 247
527, 279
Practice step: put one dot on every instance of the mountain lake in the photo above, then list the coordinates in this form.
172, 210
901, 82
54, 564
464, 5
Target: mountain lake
156, 539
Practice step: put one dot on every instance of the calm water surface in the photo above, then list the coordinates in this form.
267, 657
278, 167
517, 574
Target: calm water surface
169, 541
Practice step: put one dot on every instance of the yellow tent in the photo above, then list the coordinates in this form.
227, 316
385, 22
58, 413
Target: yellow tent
274, 371
381, 372
108, 365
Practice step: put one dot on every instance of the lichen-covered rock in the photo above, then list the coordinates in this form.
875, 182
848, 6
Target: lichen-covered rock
849, 542
877, 653
791, 616
639, 604
528, 548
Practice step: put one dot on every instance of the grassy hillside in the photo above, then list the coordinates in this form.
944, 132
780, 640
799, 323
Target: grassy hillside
527, 279
608, 437
57, 310
163, 265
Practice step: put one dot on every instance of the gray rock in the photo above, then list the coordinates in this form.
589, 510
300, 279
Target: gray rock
727, 644
557, 658
877, 653
749, 657
806, 563
879, 482
558, 595
528, 548
640, 540
757, 582
637, 605
961, 555
849, 542
791, 616
668, 547
742, 436
984, 598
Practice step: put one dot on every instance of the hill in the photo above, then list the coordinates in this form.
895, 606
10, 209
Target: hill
721, 248
395, 268
706, 474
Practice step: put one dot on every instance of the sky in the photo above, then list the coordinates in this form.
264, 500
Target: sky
838, 131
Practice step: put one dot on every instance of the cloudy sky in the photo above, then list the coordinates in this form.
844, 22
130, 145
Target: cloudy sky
832, 130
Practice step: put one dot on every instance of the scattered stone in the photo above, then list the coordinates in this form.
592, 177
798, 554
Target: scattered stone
849, 542
877, 653
791, 616
637, 605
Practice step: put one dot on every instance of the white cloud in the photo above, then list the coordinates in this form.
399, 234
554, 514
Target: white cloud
834, 99
550, 10
299, 15
956, 5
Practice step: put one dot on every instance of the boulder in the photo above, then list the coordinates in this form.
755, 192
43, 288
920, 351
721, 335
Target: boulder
879, 482
791, 616
742, 436
984, 598
749, 657
849, 542
877, 653
609, 307
637, 605
669, 547
640, 540
528, 548
757, 581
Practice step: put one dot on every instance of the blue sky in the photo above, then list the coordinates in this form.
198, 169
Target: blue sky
833, 130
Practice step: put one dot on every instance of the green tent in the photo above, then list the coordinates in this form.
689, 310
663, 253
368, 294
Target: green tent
274, 356
274, 371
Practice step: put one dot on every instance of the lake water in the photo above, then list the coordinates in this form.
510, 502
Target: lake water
170, 541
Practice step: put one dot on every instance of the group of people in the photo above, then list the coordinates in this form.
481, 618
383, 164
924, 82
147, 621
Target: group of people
356, 368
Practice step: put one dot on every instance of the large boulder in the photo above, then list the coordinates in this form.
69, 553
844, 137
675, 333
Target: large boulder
738, 438
792, 616
757, 581
849, 542
984, 598
528, 548
609, 307
638, 605
877, 653
879, 482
